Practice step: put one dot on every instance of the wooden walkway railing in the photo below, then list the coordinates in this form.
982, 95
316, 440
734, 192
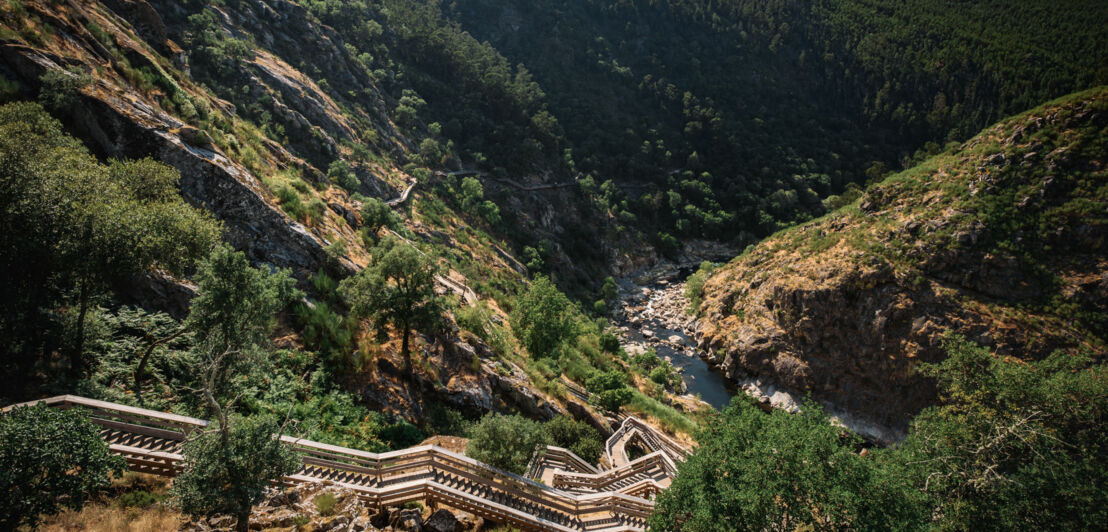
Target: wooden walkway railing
595, 501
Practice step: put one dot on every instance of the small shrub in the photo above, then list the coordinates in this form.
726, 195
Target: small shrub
290, 202
402, 434
577, 436
61, 88
342, 175
646, 360
506, 442
49, 458
139, 499
609, 343
475, 319
325, 503
613, 399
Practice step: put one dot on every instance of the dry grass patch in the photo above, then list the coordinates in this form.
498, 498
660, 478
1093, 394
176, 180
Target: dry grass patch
106, 517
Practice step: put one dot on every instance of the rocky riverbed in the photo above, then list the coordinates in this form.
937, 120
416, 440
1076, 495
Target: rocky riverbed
651, 315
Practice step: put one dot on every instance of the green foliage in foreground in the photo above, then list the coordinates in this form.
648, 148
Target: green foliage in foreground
398, 288
71, 228
49, 458
506, 442
779, 471
1015, 446
577, 436
543, 318
509, 442
229, 477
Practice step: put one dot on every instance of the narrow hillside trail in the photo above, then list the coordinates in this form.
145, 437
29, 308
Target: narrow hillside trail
403, 197
653, 316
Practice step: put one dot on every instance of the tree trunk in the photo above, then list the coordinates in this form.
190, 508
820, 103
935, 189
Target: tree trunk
404, 349
76, 358
140, 371
243, 523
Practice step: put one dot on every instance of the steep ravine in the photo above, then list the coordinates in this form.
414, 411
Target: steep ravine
652, 316
1001, 241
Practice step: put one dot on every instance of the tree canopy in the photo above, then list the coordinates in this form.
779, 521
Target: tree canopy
398, 287
84, 226
50, 458
1014, 445
231, 476
543, 318
506, 442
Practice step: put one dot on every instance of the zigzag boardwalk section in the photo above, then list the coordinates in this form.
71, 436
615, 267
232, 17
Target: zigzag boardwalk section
580, 497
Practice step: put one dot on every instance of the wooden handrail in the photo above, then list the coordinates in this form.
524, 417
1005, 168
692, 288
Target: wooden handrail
418, 473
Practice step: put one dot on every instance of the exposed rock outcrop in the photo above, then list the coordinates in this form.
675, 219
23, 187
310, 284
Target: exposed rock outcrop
324, 507
1001, 241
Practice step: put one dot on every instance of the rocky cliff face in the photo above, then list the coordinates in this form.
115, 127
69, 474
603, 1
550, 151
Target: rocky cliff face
1001, 240
242, 128
118, 117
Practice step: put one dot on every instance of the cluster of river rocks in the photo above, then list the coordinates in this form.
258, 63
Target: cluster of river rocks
654, 311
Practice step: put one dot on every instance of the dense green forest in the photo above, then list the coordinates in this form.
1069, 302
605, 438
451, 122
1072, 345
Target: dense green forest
745, 115
373, 318
1014, 446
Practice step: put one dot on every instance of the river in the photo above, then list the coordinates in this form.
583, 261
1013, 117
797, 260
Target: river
653, 316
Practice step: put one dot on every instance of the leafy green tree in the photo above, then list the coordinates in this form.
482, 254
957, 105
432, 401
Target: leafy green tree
84, 226
377, 214
228, 469
234, 309
398, 287
605, 380
543, 318
506, 442
61, 88
473, 202
49, 459
533, 258
614, 398
577, 436
610, 388
1015, 445
779, 471
341, 174
610, 290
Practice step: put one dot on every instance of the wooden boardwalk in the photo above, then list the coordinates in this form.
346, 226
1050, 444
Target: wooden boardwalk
576, 497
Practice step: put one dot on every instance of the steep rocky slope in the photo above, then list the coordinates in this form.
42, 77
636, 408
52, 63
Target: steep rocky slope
212, 90
1001, 240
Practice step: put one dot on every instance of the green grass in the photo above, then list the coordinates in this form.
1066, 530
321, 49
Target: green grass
670, 419
325, 503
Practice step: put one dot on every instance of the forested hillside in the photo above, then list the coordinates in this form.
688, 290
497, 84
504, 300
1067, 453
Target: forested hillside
1000, 240
747, 114
376, 224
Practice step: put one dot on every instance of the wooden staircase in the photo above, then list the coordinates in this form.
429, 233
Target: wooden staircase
580, 497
